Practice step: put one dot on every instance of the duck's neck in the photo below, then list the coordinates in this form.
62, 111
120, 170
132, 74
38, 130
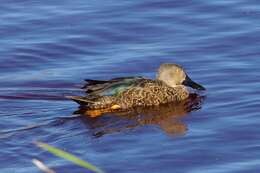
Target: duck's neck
173, 85
169, 83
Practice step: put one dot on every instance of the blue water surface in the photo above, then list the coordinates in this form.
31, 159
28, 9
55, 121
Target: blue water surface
49, 47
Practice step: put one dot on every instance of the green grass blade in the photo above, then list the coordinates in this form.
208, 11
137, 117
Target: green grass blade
68, 156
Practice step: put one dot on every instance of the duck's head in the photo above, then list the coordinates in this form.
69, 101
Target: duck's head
174, 75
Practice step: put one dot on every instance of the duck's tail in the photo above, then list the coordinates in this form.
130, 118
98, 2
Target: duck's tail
80, 100
94, 103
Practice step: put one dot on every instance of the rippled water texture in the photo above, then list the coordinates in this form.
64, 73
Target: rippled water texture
49, 47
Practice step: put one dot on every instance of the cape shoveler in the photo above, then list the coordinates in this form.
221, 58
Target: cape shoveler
170, 85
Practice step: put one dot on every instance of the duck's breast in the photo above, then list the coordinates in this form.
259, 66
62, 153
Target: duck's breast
152, 93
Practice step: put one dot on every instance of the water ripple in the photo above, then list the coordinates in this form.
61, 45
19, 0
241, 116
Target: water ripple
48, 49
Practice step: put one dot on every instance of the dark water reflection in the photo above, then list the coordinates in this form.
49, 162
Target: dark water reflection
47, 49
167, 117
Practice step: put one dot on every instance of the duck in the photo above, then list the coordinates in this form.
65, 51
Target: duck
172, 84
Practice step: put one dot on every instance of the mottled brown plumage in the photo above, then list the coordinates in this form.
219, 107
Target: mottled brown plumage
128, 92
151, 92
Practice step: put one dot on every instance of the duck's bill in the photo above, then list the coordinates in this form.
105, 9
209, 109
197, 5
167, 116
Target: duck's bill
192, 84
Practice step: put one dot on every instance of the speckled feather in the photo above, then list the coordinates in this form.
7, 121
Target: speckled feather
151, 92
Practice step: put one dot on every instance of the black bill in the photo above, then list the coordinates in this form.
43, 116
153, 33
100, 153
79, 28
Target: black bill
190, 83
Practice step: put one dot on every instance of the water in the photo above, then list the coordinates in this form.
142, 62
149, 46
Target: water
49, 47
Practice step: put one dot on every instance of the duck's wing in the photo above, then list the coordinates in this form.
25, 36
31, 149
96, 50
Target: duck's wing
110, 87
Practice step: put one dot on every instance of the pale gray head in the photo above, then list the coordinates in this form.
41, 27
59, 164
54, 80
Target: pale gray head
174, 75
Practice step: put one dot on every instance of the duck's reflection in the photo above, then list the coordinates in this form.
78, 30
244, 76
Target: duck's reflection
167, 117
